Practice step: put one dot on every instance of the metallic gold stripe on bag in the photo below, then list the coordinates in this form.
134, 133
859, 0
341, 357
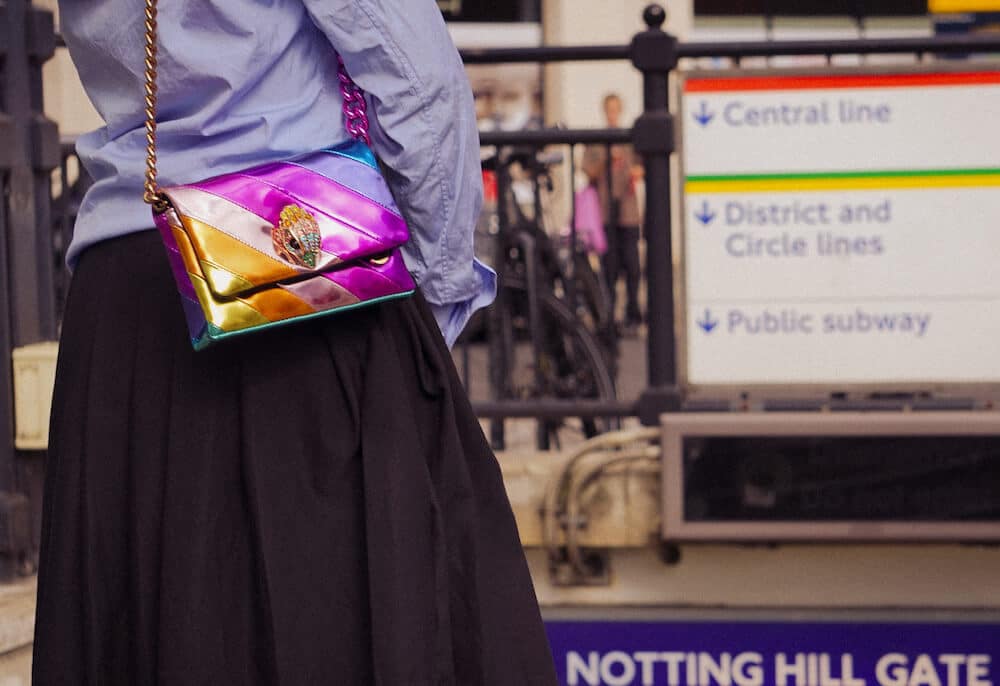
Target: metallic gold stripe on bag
280, 242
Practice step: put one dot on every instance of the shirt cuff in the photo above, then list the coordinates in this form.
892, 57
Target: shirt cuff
452, 317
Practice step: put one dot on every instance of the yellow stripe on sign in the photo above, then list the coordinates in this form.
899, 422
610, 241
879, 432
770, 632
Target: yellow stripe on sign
953, 6
841, 184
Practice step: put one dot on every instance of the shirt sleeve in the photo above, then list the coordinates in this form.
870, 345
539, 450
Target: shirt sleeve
424, 131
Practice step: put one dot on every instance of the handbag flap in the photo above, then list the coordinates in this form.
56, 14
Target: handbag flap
285, 220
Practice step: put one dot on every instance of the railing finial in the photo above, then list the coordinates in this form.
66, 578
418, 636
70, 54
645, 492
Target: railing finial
654, 15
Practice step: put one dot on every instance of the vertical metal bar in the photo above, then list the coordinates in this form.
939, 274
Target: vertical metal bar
659, 246
498, 362
654, 52
30, 41
611, 264
19, 208
536, 189
531, 268
27, 315
860, 17
530, 10
45, 158
464, 350
6, 341
61, 206
571, 274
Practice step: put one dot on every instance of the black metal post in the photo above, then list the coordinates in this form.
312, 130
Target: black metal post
612, 263
530, 250
530, 10
8, 137
654, 53
571, 270
46, 155
35, 152
499, 364
29, 151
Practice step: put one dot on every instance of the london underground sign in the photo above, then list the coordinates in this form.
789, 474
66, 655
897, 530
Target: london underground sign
841, 228
775, 654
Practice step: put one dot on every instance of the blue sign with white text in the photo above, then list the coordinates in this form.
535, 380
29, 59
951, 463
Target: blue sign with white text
775, 654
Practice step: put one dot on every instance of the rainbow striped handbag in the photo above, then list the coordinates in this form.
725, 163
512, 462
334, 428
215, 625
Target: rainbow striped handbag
282, 242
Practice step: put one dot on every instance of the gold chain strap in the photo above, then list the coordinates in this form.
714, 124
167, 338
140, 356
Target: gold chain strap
151, 193
355, 115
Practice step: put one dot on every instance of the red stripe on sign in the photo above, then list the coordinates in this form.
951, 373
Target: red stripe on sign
782, 83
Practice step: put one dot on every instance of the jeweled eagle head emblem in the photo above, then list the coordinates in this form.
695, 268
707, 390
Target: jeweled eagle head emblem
296, 238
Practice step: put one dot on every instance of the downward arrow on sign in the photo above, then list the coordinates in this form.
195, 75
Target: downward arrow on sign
705, 215
707, 323
703, 116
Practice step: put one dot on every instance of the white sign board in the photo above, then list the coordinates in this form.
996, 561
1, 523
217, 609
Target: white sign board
842, 229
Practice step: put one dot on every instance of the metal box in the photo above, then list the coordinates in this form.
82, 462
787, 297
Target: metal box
34, 379
853, 476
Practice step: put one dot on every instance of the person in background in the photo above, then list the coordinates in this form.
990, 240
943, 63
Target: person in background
589, 219
620, 204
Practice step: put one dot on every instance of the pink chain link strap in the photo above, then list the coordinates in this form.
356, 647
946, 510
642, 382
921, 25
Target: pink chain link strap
355, 109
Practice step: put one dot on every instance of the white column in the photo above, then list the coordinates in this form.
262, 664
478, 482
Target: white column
573, 92
65, 101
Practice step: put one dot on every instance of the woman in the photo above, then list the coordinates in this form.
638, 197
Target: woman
310, 505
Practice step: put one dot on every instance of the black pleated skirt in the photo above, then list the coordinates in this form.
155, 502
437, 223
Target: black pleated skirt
312, 505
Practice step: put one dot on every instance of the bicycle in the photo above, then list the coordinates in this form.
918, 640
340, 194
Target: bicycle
551, 304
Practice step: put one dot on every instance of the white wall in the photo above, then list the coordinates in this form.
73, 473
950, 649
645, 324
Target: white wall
65, 100
573, 92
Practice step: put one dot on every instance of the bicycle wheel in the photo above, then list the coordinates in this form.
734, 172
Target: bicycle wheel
569, 363
593, 307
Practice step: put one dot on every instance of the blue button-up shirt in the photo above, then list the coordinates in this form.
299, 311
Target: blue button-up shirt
243, 82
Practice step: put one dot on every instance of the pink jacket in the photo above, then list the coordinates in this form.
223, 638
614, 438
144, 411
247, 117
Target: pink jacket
589, 221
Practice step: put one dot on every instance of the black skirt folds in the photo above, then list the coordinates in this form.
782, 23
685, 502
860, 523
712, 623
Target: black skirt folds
311, 505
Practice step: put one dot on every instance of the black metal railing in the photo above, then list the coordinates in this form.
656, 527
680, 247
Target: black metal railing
69, 187
34, 230
29, 151
918, 47
550, 282
656, 55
